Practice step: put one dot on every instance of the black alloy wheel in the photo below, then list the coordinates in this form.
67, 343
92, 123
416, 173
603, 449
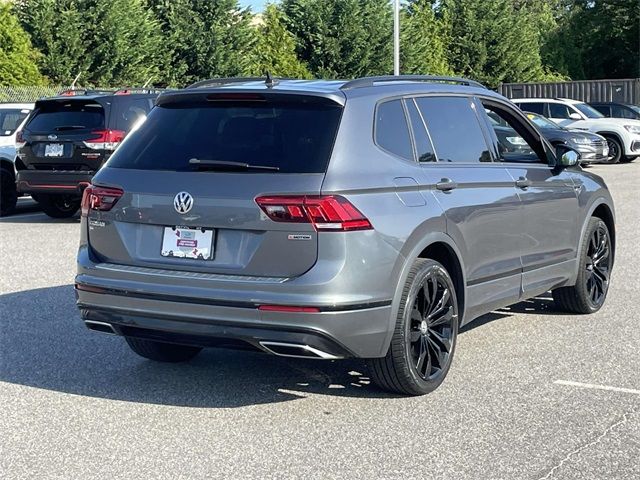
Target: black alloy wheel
598, 266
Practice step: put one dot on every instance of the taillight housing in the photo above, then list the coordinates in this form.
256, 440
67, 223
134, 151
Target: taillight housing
99, 198
20, 142
105, 139
327, 213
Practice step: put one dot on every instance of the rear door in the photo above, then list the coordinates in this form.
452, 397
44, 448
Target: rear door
478, 197
185, 173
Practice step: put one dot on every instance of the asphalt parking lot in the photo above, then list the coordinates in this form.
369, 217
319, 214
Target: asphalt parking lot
532, 394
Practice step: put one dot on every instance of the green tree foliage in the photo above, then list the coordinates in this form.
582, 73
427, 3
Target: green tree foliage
275, 50
342, 38
18, 59
107, 42
423, 40
205, 39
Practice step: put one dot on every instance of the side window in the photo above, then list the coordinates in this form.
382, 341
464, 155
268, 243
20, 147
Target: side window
532, 107
514, 142
454, 129
603, 109
420, 135
621, 112
130, 111
558, 110
391, 129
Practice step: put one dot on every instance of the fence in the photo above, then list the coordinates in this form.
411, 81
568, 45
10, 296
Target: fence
626, 90
28, 94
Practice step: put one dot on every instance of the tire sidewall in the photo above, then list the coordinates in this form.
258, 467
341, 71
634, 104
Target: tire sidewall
594, 224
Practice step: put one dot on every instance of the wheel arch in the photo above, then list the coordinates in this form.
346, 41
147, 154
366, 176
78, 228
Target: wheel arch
602, 209
7, 164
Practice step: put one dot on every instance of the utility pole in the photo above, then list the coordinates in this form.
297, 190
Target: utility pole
396, 37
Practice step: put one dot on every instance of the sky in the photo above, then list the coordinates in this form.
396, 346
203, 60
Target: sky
256, 5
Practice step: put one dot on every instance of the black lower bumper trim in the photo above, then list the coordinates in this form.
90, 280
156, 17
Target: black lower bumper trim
46, 181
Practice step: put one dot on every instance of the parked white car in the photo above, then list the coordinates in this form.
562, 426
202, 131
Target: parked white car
12, 117
622, 134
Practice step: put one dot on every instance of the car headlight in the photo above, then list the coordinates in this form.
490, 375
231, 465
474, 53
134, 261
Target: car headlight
516, 141
635, 129
581, 140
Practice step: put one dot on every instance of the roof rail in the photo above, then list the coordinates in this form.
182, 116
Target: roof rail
371, 81
213, 82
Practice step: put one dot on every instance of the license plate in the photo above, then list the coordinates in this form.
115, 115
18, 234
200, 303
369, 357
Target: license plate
54, 150
187, 242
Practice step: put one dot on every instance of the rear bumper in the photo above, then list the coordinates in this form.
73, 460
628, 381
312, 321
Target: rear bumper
57, 182
336, 331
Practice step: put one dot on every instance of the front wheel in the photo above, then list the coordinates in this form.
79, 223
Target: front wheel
592, 284
59, 206
615, 149
425, 334
162, 352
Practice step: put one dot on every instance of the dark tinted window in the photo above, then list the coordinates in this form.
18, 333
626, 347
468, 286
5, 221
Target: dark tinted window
10, 119
454, 129
603, 109
532, 107
423, 144
558, 110
129, 111
72, 115
295, 137
391, 129
622, 112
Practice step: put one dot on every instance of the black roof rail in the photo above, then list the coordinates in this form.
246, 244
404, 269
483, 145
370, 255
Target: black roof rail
371, 81
216, 82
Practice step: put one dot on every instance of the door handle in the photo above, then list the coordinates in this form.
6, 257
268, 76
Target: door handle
523, 182
446, 185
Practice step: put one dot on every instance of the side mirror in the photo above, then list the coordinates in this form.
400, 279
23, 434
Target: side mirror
575, 116
567, 157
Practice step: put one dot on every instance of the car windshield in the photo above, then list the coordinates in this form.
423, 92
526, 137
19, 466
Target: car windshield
10, 120
542, 122
588, 110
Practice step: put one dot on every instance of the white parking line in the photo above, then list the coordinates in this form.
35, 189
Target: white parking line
597, 387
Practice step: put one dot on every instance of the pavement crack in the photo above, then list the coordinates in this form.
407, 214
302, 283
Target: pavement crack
595, 441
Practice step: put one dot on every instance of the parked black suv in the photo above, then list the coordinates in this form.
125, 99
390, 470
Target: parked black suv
617, 110
69, 137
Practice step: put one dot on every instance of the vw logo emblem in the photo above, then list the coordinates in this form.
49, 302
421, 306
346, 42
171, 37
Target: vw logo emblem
183, 202
52, 137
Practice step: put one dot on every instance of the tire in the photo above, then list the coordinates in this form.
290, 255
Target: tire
8, 192
59, 206
614, 146
162, 352
592, 284
416, 337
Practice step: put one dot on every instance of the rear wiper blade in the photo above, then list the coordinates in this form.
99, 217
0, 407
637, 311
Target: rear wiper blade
225, 165
69, 127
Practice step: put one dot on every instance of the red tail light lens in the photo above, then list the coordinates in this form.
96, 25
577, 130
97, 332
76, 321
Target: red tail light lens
105, 139
99, 198
329, 213
19, 139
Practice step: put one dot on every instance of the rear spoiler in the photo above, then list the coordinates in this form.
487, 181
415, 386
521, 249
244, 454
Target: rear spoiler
252, 95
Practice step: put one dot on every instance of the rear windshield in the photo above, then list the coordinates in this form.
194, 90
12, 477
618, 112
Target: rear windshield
61, 116
293, 137
10, 119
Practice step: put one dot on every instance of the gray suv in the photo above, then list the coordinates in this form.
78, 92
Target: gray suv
330, 219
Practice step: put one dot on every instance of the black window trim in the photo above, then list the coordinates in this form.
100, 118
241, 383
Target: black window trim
424, 125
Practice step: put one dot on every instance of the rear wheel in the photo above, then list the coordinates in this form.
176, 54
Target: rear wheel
162, 352
8, 193
592, 284
615, 149
59, 206
424, 339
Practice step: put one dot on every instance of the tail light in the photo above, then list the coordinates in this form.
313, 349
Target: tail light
20, 142
328, 213
105, 139
99, 198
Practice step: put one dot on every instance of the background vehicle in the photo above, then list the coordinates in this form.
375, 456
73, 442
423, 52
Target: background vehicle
12, 118
623, 135
593, 148
68, 138
331, 219
617, 110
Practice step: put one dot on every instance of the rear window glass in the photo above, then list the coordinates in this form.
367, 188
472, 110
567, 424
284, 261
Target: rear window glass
392, 132
11, 119
60, 116
532, 107
293, 137
130, 111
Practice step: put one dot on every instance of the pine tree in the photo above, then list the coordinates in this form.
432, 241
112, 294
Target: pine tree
18, 58
275, 50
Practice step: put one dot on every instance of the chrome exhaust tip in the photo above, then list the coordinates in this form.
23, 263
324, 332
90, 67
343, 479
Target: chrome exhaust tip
296, 350
100, 327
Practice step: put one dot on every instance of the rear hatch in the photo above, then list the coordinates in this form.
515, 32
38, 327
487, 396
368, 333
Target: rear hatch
190, 175
66, 135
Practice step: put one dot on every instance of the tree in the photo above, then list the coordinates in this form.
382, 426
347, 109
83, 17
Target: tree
107, 42
18, 58
275, 50
342, 38
205, 39
423, 39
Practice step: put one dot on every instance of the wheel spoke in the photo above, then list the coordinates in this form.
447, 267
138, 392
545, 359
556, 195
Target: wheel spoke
416, 316
436, 352
442, 340
440, 304
423, 356
444, 318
